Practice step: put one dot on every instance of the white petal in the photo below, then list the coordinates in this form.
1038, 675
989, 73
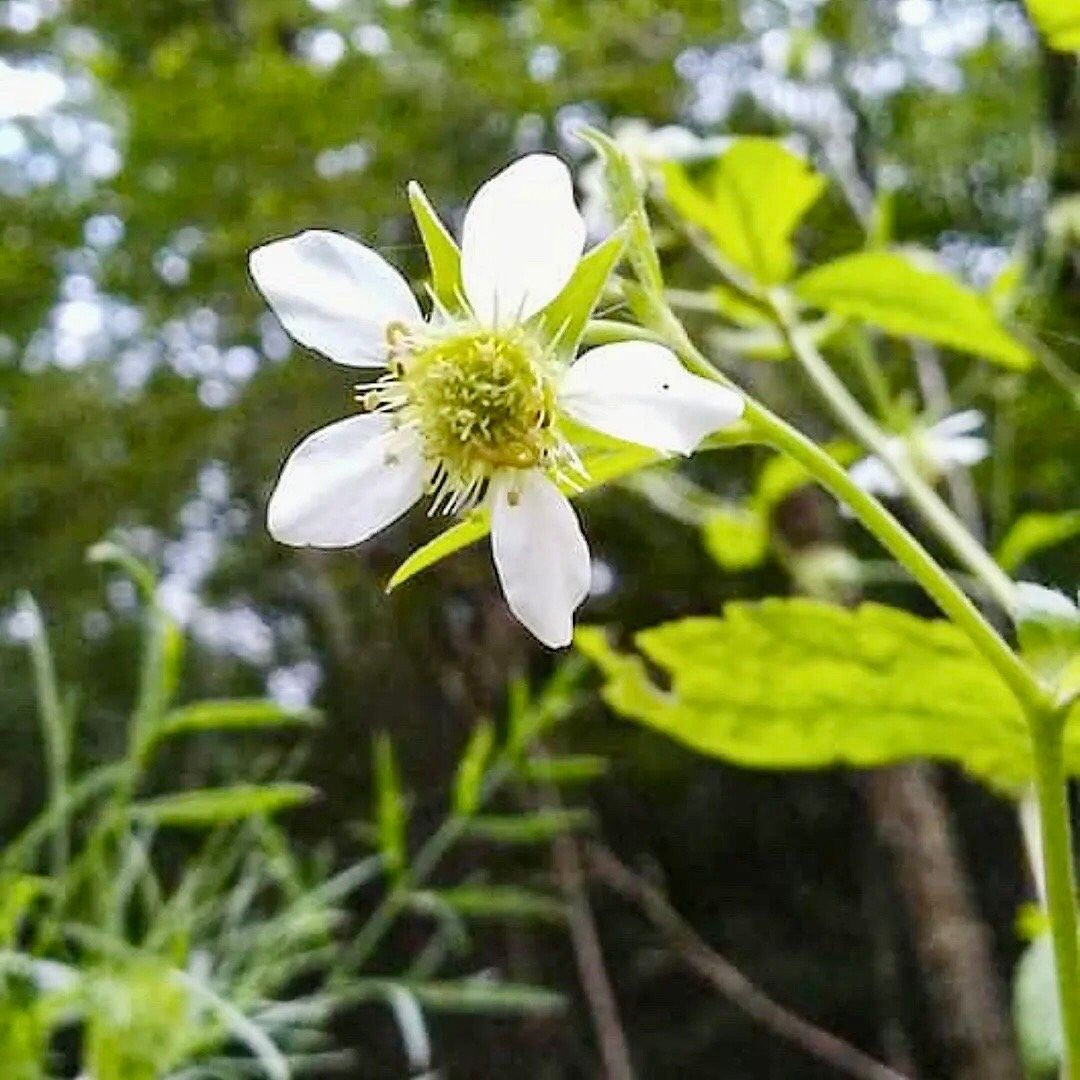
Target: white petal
540, 554
334, 295
345, 482
961, 423
640, 392
959, 450
1036, 603
874, 476
674, 143
521, 240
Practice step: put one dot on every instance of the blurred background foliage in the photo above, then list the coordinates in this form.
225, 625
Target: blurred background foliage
146, 393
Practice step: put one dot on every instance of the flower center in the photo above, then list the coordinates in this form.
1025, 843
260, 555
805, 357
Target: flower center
481, 400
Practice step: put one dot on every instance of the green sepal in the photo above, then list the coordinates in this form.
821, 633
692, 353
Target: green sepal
563, 321
444, 256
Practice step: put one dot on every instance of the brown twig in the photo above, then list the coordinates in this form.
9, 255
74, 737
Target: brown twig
590, 961
728, 979
588, 955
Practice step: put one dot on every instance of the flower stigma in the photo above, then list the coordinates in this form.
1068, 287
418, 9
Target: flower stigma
482, 400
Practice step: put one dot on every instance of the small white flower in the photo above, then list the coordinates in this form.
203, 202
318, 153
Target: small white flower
644, 147
1036, 603
471, 407
934, 450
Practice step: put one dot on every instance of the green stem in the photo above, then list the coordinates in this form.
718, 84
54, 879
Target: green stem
904, 548
907, 551
1047, 731
850, 413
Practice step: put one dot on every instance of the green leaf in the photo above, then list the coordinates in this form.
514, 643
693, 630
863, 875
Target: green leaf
232, 714
1035, 532
563, 320
443, 254
798, 684
390, 817
753, 200
469, 781
1058, 21
538, 828
479, 995
17, 893
603, 466
205, 807
736, 538
1036, 1013
901, 296
493, 901
570, 769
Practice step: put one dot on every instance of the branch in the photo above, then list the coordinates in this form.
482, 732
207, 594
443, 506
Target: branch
728, 979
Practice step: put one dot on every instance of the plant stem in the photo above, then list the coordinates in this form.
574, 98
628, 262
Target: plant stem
904, 548
1047, 736
934, 510
907, 551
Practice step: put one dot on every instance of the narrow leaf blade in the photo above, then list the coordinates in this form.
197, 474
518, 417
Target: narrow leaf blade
207, 807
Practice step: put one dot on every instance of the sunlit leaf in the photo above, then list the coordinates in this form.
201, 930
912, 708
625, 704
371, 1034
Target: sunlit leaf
750, 205
798, 684
736, 537
1031, 533
893, 291
204, 807
1059, 21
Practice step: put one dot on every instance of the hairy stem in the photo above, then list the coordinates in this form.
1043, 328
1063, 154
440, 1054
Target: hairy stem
935, 512
1047, 731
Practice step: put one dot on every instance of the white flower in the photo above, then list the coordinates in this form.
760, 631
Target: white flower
644, 147
934, 450
472, 405
1036, 603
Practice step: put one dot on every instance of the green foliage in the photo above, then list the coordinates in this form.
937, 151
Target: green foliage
569, 769
468, 783
902, 296
1059, 21
736, 538
390, 811
492, 902
207, 807
798, 684
162, 963
1036, 1013
751, 202
1032, 533
537, 828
